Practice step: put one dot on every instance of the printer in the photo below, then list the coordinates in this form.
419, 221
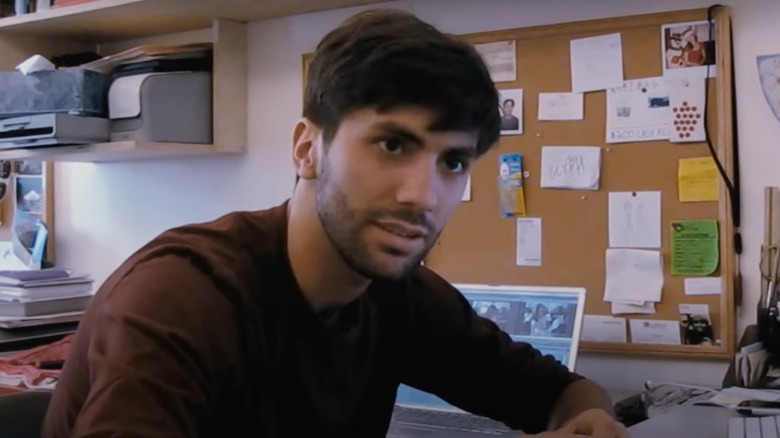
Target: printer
161, 107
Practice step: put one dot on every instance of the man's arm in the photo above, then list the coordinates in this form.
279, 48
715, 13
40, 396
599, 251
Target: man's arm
153, 347
584, 407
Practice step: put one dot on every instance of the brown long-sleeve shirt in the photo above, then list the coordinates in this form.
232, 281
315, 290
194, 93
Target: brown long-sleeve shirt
204, 332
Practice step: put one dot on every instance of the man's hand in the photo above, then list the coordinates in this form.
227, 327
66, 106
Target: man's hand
594, 423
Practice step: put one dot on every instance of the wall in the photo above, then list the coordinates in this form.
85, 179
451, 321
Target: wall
104, 212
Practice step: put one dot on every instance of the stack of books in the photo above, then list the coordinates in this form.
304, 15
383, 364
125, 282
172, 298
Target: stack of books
41, 297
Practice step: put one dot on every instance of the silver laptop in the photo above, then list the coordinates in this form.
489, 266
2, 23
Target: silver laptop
549, 318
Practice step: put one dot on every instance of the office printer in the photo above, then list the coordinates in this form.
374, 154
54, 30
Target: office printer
161, 107
51, 129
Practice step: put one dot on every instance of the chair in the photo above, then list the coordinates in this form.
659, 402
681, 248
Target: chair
22, 413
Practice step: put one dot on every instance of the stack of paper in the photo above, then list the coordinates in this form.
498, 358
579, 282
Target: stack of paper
40, 297
634, 280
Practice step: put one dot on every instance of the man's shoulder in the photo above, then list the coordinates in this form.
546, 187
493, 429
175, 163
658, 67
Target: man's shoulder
228, 249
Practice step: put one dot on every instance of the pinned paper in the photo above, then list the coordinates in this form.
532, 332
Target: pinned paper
510, 185
638, 111
635, 219
529, 242
571, 167
697, 179
467, 191
647, 308
634, 276
694, 247
703, 286
688, 103
511, 110
561, 106
596, 63
599, 328
500, 59
688, 50
769, 75
653, 331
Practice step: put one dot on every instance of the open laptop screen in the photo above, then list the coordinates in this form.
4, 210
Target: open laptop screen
548, 318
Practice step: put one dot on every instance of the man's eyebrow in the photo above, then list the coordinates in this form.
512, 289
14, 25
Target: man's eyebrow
399, 130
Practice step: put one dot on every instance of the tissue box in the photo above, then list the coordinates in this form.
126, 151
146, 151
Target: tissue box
71, 90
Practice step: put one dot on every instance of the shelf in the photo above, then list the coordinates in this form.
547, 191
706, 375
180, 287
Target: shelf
110, 152
103, 21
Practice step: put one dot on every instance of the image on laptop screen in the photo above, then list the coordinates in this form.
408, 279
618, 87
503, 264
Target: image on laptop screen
549, 318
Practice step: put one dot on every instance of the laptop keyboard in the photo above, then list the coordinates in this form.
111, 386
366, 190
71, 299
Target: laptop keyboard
754, 427
449, 420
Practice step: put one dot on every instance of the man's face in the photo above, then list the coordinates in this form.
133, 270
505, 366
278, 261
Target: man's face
509, 107
386, 186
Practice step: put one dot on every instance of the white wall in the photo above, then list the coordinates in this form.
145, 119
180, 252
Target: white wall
104, 212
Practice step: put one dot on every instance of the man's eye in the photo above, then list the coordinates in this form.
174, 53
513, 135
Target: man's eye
455, 165
391, 145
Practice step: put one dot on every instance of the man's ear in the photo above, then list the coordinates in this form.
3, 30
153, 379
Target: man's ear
304, 154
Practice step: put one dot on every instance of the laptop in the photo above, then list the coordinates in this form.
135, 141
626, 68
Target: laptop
549, 318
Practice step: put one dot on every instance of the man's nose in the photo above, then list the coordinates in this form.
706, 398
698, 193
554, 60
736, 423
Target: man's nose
420, 185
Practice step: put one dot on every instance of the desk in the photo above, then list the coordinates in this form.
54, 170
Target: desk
686, 421
28, 337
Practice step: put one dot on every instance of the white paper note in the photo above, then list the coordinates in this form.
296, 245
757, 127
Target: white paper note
638, 111
633, 275
703, 286
596, 63
561, 106
529, 241
652, 331
500, 59
648, 308
599, 328
687, 110
635, 219
571, 167
467, 191
695, 309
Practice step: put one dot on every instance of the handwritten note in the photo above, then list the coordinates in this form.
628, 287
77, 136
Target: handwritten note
561, 106
635, 219
571, 167
697, 179
694, 247
500, 59
638, 111
529, 241
596, 63
634, 276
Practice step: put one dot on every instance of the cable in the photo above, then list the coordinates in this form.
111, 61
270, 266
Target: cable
732, 184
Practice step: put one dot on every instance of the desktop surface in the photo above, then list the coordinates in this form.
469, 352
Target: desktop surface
686, 421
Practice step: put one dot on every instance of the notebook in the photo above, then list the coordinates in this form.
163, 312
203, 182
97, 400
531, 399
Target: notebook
549, 318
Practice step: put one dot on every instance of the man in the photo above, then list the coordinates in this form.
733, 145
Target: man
509, 122
302, 320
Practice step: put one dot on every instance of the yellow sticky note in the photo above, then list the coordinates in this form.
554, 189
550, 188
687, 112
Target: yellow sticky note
697, 179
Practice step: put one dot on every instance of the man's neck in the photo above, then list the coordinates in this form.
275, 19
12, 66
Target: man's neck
324, 278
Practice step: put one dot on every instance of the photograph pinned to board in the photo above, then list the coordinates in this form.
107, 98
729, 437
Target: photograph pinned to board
511, 193
769, 76
500, 58
696, 325
688, 49
511, 110
30, 196
638, 111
